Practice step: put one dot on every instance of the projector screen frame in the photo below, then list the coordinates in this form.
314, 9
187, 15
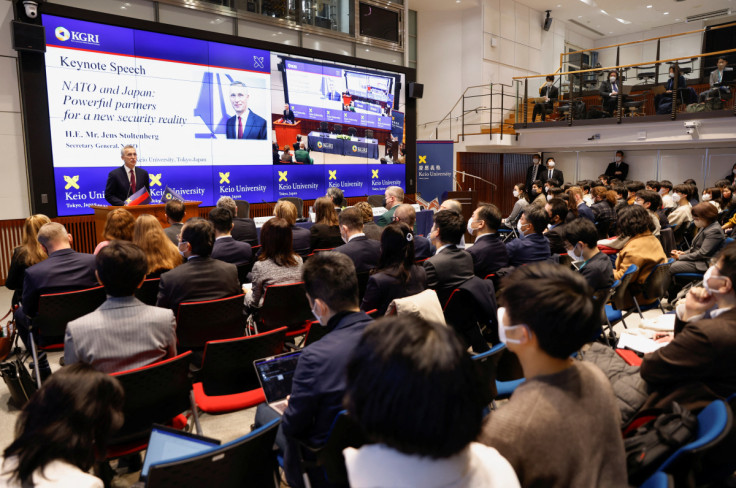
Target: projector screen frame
35, 103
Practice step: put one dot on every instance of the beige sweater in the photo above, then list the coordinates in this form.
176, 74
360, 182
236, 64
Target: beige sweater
561, 431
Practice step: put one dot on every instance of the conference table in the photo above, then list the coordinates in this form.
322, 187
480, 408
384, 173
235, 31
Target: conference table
360, 147
425, 219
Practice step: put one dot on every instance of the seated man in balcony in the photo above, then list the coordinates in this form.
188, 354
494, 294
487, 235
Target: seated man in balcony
717, 77
610, 90
548, 92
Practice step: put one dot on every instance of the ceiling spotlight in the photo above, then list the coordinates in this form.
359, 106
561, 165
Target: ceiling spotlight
666, 13
649, 6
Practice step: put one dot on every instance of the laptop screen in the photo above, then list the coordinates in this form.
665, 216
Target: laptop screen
167, 444
275, 374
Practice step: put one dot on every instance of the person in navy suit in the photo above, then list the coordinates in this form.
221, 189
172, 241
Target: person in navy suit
244, 124
551, 173
319, 384
557, 212
576, 195
423, 248
288, 117
64, 270
120, 183
364, 252
451, 266
531, 246
226, 248
488, 251
244, 229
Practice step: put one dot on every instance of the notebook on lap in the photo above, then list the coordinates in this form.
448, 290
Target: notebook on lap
167, 444
275, 374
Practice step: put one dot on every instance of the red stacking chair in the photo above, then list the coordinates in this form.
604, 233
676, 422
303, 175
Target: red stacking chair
209, 320
148, 292
285, 306
227, 380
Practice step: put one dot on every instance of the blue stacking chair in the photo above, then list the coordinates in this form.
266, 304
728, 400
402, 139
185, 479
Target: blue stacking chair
616, 311
655, 286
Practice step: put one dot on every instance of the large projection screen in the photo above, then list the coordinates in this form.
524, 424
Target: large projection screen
176, 99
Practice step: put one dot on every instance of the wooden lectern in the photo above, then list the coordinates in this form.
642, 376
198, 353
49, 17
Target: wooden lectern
286, 133
469, 201
157, 210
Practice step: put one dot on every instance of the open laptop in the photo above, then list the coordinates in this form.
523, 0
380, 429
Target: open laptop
275, 374
167, 444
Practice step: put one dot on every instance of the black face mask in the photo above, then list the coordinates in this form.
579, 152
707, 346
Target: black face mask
384, 201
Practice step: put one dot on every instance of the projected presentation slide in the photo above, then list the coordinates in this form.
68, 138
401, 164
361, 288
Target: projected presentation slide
202, 117
339, 95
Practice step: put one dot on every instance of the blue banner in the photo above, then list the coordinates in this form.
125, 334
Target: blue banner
397, 125
305, 182
434, 168
250, 183
385, 175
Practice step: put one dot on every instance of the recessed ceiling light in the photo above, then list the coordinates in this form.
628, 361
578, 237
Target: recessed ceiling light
666, 13
559, 5
580, 16
649, 6
604, 12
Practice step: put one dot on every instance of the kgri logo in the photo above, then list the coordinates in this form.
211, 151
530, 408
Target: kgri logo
355, 148
61, 34
319, 144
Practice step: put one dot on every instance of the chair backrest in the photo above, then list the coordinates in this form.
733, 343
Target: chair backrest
243, 209
352, 131
487, 364
375, 201
227, 365
619, 299
209, 320
55, 310
298, 203
345, 432
658, 280
363, 277
275, 313
323, 126
337, 128
243, 270
667, 239
368, 134
247, 461
153, 394
463, 312
602, 296
316, 332
148, 292
714, 425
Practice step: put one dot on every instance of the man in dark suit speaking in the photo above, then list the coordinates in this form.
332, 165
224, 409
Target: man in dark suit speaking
124, 181
244, 124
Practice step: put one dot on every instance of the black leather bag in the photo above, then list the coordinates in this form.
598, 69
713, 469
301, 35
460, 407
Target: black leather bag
18, 380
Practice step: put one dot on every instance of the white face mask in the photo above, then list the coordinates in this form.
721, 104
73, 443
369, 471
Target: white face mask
618, 159
470, 226
662, 191
549, 197
316, 315
551, 164
676, 197
706, 197
575, 257
516, 193
734, 171
612, 78
707, 277
535, 161
672, 75
518, 228
503, 329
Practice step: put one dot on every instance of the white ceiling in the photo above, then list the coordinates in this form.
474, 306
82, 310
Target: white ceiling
589, 12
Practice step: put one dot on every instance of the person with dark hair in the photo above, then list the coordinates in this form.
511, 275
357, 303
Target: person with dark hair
423, 248
395, 394
617, 168
319, 384
300, 236
716, 80
577, 204
730, 177
60, 430
225, 247
682, 214
694, 193
123, 333
665, 191
534, 172
337, 197
325, 233
663, 101
633, 187
604, 202
244, 229
652, 185
642, 249
363, 251
652, 202
548, 93
63, 270
556, 210
581, 242
174, 215
537, 194
488, 251
396, 275
450, 266
552, 174
531, 245
696, 367
712, 195
201, 277
522, 200
277, 262
610, 91
543, 330
370, 228
706, 243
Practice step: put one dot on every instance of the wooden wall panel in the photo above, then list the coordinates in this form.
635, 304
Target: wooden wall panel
505, 170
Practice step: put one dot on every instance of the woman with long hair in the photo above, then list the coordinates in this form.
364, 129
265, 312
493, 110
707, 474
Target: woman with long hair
277, 262
119, 225
325, 233
286, 210
604, 203
63, 429
161, 254
29, 252
396, 275
522, 200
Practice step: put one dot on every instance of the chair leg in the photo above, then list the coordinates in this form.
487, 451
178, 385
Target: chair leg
195, 413
641, 315
35, 357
